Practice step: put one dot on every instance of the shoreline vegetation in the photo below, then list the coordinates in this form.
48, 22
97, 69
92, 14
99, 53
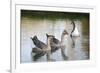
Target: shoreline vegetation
53, 15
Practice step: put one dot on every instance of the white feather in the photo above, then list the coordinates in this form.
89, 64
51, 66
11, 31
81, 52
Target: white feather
75, 32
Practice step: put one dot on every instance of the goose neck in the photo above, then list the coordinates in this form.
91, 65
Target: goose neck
73, 27
48, 42
62, 38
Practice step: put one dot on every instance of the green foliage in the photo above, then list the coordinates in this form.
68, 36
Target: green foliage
53, 15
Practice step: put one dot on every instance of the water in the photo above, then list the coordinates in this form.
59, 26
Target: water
33, 26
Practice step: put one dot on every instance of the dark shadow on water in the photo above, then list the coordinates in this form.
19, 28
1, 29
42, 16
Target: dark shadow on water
37, 56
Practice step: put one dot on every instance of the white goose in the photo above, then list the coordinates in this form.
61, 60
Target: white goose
74, 32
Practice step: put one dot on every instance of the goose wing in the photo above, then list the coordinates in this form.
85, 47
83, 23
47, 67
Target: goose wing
54, 44
38, 43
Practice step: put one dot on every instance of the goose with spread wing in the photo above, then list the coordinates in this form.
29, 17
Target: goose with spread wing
41, 48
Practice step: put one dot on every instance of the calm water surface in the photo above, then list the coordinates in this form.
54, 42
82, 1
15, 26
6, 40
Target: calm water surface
39, 27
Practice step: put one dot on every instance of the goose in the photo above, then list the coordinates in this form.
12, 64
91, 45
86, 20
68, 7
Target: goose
38, 49
53, 42
74, 32
41, 48
48, 51
38, 43
57, 44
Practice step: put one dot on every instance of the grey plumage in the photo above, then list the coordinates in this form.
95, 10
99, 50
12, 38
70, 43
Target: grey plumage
38, 49
53, 42
38, 43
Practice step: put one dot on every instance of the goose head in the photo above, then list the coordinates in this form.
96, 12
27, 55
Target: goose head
64, 32
34, 39
50, 36
64, 35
